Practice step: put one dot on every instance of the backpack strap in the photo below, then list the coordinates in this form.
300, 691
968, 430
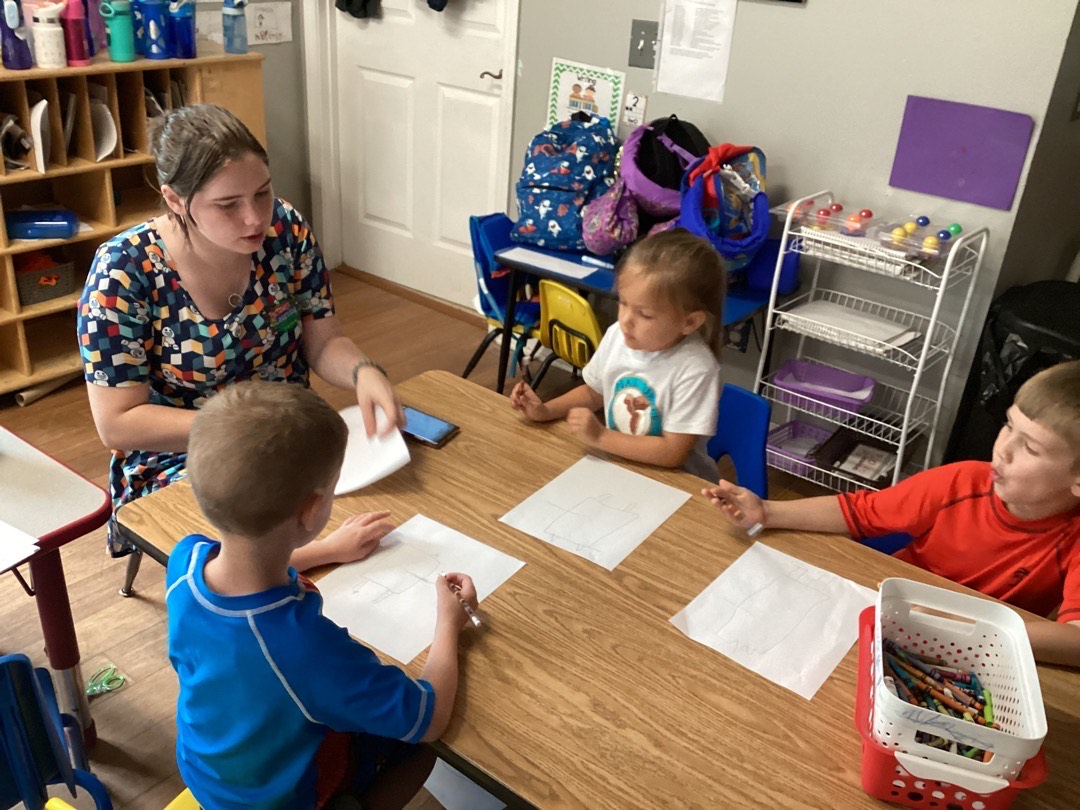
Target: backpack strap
685, 158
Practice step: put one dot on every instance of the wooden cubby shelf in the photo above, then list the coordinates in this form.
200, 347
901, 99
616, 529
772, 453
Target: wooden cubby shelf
37, 340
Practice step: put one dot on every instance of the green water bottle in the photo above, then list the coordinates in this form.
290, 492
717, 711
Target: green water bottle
121, 26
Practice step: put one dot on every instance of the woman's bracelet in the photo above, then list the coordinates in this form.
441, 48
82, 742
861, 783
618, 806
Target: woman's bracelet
367, 362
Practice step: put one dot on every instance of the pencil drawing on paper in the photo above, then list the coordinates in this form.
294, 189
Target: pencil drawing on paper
393, 570
583, 527
767, 612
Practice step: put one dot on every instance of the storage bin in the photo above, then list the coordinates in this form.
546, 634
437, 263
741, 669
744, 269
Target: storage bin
36, 283
793, 444
891, 775
830, 386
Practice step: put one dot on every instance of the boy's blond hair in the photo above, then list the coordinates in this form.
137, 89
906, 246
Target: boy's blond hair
1052, 398
258, 450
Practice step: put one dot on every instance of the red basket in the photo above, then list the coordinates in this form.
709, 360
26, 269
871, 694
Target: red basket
914, 782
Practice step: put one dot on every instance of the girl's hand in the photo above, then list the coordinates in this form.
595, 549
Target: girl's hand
741, 506
449, 608
358, 536
372, 388
525, 401
584, 424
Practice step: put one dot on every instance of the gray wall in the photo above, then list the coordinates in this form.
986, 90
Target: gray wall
286, 123
821, 89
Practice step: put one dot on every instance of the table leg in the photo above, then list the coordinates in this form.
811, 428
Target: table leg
508, 330
61, 646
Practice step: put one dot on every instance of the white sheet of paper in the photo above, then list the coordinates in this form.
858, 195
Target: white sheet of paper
16, 546
388, 601
538, 259
695, 46
368, 460
786, 620
597, 510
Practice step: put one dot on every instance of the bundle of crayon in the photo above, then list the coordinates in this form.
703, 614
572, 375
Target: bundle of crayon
933, 684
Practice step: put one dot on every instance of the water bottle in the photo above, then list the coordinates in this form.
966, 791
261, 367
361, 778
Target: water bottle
137, 22
14, 36
73, 21
182, 24
117, 15
95, 25
49, 49
234, 26
157, 37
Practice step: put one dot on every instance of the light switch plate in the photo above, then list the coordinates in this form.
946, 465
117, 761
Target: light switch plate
643, 36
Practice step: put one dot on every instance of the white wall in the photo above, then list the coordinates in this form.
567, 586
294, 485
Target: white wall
821, 89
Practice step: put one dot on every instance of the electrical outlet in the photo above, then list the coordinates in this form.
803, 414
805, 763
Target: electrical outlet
643, 36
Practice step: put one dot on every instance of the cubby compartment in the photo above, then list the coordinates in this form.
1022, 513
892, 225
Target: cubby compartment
46, 124
135, 198
102, 91
14, 353
88, 194
52, 343
13, 103
9, 294
77, 130
129, 88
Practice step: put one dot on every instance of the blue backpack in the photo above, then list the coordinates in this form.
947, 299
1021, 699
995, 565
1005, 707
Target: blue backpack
566, 166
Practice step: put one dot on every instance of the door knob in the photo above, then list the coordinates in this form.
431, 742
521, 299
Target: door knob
492, 75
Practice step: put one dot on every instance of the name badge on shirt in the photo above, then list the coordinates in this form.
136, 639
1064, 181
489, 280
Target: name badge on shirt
284, 316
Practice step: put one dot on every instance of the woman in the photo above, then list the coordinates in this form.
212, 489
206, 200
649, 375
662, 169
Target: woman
228, 284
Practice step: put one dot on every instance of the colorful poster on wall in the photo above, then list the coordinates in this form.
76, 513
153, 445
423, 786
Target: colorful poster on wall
584, 88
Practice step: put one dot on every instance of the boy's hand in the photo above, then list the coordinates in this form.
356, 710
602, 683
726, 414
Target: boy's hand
584, 424
358, 536
525, 400
449, 608
741, 506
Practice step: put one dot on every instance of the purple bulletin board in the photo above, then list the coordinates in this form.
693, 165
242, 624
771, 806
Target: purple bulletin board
961, 151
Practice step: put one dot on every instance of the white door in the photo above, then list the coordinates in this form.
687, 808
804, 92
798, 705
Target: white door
422, 140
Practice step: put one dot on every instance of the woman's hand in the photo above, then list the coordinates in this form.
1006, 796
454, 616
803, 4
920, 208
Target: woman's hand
373, 389
525, 401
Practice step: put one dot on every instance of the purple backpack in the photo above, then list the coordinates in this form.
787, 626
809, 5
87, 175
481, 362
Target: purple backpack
647, 195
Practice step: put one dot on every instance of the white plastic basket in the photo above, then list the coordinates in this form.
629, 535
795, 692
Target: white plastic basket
975, 634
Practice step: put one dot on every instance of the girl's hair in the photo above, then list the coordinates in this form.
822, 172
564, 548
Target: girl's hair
688, 272
190, 144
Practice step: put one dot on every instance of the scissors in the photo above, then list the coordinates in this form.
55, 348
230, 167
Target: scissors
107, 679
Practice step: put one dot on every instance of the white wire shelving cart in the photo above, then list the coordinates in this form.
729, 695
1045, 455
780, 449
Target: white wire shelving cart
896, 415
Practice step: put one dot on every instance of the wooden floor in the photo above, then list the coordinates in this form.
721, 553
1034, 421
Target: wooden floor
134, 755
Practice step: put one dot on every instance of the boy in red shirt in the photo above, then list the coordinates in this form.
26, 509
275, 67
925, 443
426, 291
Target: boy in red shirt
1009, 528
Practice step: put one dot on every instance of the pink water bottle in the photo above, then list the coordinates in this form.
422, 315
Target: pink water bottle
73, 21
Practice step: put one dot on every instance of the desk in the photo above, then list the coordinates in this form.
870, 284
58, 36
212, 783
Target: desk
544, 263
48, 501
578, 692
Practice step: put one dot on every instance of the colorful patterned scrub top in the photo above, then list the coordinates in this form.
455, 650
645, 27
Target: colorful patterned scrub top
138, 325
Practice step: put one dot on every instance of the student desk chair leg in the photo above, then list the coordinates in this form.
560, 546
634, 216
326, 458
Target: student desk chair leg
507, 330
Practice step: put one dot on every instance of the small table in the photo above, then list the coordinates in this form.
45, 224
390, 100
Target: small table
578, 691
53, 503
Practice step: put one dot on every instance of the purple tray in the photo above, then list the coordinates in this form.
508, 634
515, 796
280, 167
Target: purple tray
780, 438
794, 375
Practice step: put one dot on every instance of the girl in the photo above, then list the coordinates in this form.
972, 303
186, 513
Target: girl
656, 372
228, 284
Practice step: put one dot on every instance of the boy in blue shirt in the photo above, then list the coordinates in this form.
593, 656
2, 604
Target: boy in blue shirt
265, 678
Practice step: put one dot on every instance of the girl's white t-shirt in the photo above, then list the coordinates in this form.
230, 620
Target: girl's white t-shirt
675, 390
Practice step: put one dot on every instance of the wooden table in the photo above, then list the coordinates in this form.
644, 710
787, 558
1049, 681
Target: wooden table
578, 692
53, 503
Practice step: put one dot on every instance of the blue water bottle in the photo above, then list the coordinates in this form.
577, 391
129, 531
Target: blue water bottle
14, 37
234, 26
182, 25
157, 38
137, 23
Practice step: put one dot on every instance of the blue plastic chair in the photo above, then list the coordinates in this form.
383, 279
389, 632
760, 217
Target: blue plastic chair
491, 233
35, 751
887, 543
741, 431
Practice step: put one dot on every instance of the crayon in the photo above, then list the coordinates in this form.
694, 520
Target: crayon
988, 709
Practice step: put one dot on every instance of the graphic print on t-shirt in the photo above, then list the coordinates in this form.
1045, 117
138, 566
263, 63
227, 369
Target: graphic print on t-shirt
633, 409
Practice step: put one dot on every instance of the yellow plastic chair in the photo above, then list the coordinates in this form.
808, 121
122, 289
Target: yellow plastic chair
568, 327
185, 801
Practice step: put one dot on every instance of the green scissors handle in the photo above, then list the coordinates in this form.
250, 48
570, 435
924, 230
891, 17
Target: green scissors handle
107, 679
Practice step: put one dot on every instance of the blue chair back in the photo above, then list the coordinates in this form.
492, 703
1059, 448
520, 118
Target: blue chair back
888, 543
741, 431
33, 751
490, 233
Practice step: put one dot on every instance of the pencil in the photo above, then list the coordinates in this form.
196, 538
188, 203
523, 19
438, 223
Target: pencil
456, 590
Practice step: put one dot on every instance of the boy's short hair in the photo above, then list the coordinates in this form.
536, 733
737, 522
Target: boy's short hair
1052, 398
257, 450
